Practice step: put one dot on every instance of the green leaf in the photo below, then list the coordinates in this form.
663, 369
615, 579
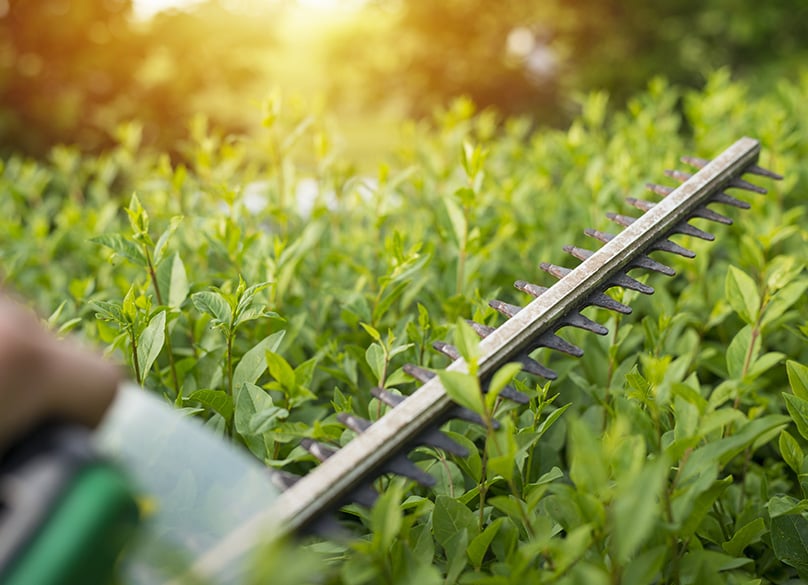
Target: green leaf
479, 544
213, 304
178, 287
467, 342
644, 569
371, 331
160, 246
216, 400
250, 399
764, 363
455, 549
374, 356
458, 221
742, 294
109, 312
789, 534
798, 378
450, 517
502, 450
150, 343
121, 246
791, 451
636, 509
748, 534
254, 362
721, 451
739, 350
280, 369
588, 464
266, 419
464, 389
499, 381
386, 518
798, 409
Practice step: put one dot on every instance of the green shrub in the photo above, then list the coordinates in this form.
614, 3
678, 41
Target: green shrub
279, 288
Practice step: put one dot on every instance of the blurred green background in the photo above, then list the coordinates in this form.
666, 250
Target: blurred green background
72, 70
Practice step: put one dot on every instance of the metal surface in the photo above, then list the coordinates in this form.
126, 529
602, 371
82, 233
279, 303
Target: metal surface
532, 326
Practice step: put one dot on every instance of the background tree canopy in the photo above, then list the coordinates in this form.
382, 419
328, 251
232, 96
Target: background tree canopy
70, 70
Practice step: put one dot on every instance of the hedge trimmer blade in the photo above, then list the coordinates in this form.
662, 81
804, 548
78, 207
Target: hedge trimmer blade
381, 447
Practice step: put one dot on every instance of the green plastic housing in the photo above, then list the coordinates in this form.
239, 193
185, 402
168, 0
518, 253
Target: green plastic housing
86, 530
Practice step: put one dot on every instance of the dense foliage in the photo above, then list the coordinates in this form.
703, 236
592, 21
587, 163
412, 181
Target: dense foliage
264, 294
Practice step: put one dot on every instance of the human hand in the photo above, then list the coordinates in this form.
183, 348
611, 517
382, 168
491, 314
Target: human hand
42, 377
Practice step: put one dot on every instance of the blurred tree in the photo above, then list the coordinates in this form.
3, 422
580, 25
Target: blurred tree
433, 51
62, 65
529, 56
71, 70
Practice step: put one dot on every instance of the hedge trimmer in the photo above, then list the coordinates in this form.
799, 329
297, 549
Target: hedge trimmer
215, 546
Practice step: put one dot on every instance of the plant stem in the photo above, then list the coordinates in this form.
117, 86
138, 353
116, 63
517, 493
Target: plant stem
166, 332
135, 361
229, 358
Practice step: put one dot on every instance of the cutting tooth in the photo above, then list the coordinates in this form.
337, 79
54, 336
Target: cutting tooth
718, 197
319, 450
761, 172
394, 400
734, 182
705, 213
508, 392
694, 161
557, 271
465, 414
386, 396
421, 374
702, 212
681, 228
430, 437
553, 341
662, 190
641, 261
662, 245
627, 282
580, 253
575, 319
364, 495
673, 248
604, 301
620, 219
506, 309
529, 365
468, 415
283, 480
649, 263
550, 340
435, 438
739, 183
327, 527
640, 204
480, 329
533, 290
680, 176
599, 235
688, 230
402, 466
355, 423
449, 351
721, 197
